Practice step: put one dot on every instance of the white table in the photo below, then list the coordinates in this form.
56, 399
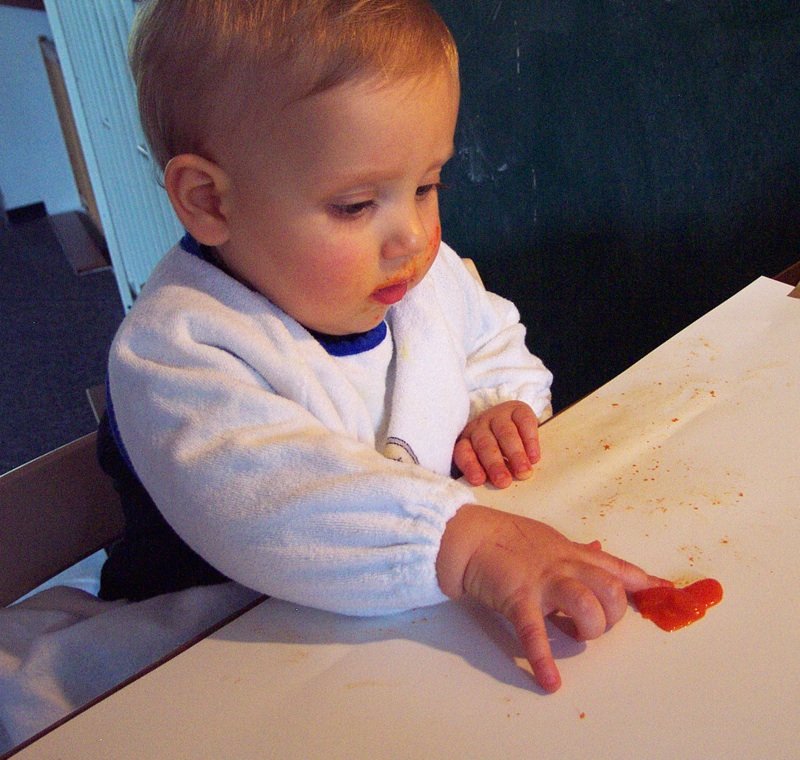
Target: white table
688, 464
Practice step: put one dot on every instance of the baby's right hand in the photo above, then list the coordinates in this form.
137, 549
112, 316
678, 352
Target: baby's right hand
527, 570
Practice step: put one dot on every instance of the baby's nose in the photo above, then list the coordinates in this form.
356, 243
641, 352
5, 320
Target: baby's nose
407, 238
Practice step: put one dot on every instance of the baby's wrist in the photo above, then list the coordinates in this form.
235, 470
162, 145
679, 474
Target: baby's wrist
463, 534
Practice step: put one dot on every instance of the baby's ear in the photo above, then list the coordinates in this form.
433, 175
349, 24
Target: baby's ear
196, 188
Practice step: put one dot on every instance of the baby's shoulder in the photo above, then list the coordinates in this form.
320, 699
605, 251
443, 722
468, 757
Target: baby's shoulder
184, 288
188, 304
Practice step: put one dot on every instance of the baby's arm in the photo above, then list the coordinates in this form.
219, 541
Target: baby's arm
509, 389
501, 443
526, 570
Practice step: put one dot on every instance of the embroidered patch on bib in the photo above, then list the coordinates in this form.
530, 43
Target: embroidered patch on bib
398, 450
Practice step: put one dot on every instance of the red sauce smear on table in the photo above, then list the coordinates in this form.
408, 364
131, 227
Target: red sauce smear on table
673, 608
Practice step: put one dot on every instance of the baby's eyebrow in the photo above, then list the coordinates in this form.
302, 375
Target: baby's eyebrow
353, 179
356, 181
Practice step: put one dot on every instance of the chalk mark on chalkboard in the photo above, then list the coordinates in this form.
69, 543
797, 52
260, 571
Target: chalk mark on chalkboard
472, 152
476, 162
483, 161
496, 10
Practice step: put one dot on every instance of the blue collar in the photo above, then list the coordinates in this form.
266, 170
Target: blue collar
349, 345
335, 345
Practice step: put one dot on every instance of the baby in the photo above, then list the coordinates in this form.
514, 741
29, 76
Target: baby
295, 383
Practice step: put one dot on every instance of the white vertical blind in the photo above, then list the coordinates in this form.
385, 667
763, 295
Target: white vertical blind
91, 38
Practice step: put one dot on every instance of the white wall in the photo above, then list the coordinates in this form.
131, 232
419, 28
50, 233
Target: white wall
34, 166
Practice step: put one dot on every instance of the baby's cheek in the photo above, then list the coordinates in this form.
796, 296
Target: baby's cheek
337, 266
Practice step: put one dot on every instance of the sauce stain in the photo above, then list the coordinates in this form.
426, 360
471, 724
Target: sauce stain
674, 608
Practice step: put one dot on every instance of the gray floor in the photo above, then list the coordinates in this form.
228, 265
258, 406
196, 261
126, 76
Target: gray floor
55, 331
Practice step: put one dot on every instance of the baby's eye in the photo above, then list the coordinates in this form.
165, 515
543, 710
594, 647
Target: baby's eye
424, 190
350, 210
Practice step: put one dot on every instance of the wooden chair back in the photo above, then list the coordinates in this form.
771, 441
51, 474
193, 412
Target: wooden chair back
54, 511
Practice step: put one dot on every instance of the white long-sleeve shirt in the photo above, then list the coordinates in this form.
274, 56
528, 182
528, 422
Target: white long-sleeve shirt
274, 460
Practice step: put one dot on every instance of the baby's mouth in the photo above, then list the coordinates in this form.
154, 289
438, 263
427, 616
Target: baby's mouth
391, 293
394, 292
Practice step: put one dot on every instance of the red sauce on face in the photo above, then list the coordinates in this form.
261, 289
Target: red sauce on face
673, 608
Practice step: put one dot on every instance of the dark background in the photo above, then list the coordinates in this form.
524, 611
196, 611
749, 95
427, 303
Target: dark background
623, 167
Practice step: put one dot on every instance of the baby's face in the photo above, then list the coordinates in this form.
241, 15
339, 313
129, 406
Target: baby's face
333, 213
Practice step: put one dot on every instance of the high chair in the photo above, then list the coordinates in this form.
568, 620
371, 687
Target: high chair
54, 511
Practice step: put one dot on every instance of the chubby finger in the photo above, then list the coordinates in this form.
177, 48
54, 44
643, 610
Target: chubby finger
531, 631
609, 593
632, 577
579, 602
512, 447
467, 461
491, 458
528, 426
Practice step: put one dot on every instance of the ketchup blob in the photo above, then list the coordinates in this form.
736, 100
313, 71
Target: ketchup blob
673, 608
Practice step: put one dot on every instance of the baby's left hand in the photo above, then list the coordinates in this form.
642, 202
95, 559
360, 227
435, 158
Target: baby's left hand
500, 444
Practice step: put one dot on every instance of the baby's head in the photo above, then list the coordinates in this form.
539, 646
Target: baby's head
303, 140
205, 68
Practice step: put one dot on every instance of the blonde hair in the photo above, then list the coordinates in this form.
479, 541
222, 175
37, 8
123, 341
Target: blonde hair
202, 67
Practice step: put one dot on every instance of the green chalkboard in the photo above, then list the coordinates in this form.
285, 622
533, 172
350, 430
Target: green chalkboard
621, 167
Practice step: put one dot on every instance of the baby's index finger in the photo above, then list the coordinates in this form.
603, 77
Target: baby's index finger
632, 577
